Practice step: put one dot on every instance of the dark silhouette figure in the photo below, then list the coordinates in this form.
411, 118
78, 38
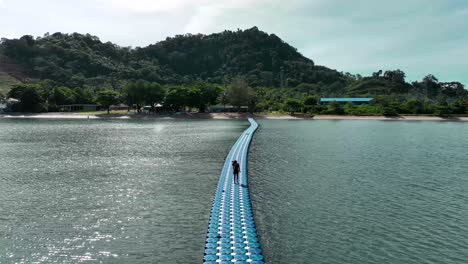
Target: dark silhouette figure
236, 170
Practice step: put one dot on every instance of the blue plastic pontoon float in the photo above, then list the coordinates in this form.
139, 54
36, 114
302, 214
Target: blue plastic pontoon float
232, 235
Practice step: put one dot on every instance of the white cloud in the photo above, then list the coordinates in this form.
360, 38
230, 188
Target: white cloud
176, 5
213, 14
356, 36
200, 16
153, 5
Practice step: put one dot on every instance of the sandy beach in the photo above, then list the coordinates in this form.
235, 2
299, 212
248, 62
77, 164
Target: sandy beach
224, 116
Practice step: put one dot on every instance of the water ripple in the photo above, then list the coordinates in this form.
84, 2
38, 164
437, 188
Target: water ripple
108, 191
361, 192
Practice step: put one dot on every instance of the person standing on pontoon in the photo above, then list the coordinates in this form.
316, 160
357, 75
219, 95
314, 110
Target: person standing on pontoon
236, 170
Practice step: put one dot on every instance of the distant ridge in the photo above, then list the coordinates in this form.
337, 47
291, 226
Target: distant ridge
263, 60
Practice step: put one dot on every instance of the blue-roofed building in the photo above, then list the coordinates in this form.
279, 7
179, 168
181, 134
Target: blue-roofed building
356, 101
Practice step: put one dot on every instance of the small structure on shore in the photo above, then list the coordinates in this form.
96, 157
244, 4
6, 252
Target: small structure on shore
80, 108
119, 107
156, 108
355, 101
227, 108
7, 105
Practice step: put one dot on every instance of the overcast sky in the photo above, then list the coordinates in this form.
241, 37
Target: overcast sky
359, 36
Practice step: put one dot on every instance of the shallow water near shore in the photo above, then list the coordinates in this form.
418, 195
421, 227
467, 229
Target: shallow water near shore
109, 191
140, 191
361, 191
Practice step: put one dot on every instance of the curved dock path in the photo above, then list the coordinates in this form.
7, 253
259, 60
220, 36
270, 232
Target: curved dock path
232, 235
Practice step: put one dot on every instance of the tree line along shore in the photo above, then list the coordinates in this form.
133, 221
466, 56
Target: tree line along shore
247, 68
34, 98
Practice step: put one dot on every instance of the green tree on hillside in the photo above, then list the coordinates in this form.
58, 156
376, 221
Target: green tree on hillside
154, 93
431, 86
443, 109
240, 93
203, 94
310, 103
134, 94
413, 107
107, 98
32, 98
308, 88
85, 96
210, 93
395, 76
141, 92
390, 111
335, 108
63, 95
177, 97
350, 109
294, 105
459, 108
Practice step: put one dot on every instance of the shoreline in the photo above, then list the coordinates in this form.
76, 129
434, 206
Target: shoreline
224, 116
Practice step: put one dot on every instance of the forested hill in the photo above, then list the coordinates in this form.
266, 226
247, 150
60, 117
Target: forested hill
82, 65
77, 60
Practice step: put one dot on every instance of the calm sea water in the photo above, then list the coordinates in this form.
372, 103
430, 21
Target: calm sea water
323, 191
109, 191
361, 191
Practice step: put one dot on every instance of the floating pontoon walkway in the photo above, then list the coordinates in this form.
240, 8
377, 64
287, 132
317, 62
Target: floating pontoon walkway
232, 236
